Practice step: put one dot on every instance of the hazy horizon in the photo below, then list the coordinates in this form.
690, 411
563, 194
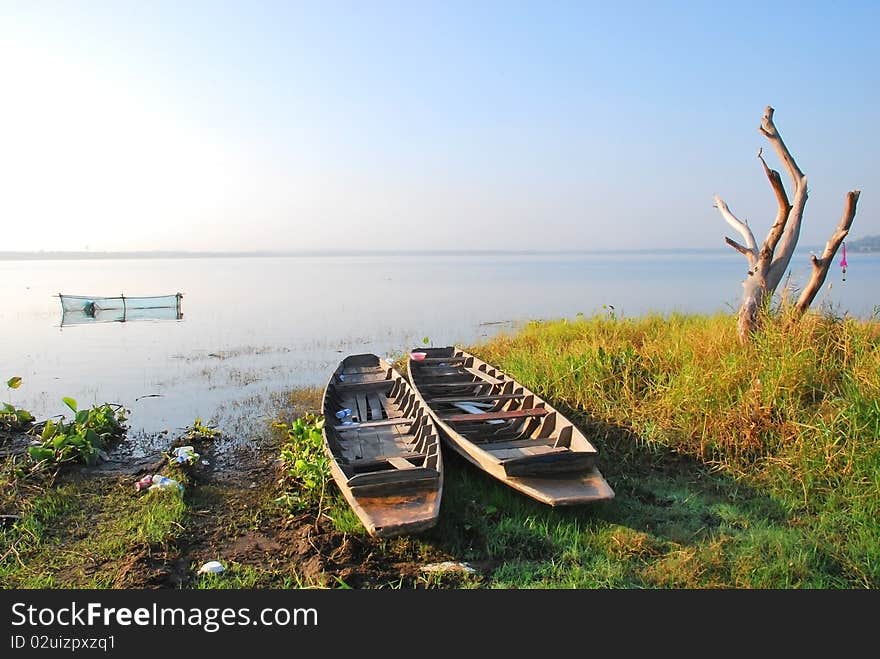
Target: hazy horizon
328, 252
491, 126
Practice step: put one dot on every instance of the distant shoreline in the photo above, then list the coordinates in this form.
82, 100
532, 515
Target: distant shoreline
89, 255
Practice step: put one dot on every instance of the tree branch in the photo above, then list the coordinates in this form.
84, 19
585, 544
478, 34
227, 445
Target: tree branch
821, 264
768, 128
751, 247
778, 187
775, 233
742, 249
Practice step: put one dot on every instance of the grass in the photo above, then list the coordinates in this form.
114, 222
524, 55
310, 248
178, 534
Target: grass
239, 576
745, 466
76, 534
734, 466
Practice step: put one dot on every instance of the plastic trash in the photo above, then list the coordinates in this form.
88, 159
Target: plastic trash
477, 408
157, 482
165, 483
344, 416
474, 408
143, 483
417, 356
449, 566
185, 454
211, 567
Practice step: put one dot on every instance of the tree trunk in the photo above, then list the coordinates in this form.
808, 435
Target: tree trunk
748, 318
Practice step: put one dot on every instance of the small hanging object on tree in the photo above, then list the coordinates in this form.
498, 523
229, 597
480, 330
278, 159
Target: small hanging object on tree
843, 263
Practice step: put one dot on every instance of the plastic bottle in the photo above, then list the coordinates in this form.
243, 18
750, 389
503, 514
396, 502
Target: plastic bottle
161, 482
344, 416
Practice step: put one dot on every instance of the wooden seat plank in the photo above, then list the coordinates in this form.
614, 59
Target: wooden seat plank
514, 443
400, 462
365, 370
481, 397
450, 385
381, 460
392, 476
522, 453
357, 378
491, 416
374, 424
440, 360
480, 375
363, 386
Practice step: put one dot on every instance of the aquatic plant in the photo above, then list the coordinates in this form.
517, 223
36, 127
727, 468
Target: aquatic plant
306, 468
12, 418
199, 430
82, 439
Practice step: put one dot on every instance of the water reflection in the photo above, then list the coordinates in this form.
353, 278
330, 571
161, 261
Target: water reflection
118, 316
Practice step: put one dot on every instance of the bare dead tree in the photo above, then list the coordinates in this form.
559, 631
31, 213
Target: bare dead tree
768, 264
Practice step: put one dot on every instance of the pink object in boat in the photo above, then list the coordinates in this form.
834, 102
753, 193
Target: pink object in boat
418, 356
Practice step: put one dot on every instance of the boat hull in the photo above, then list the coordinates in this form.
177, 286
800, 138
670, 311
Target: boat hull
393, 513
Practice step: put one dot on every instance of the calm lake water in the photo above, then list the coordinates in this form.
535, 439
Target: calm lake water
259, 326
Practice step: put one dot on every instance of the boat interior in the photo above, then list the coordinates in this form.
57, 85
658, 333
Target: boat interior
497, 415
376, 427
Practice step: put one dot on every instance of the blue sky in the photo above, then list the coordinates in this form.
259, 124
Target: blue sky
485, 125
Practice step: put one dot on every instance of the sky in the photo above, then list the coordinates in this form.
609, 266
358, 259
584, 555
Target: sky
258, 125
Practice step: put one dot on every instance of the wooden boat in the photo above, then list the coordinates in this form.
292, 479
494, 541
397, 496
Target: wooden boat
505, 429
384, 447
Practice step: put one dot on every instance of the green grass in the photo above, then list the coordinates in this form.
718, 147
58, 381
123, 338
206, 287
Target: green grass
752, 466
238, 576
74, 534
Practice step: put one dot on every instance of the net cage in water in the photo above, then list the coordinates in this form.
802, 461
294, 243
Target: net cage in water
120, 308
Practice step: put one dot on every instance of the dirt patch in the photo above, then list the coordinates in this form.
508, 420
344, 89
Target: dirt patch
250, 545
13, 443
